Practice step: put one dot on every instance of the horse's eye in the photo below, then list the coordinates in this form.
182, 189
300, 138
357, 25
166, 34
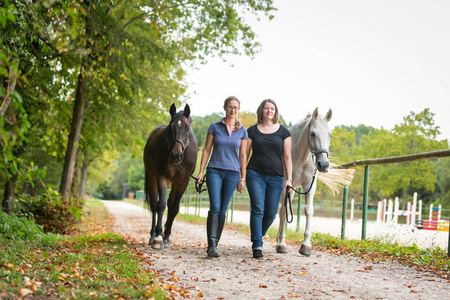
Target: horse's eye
188, 127
313, 133
330, 134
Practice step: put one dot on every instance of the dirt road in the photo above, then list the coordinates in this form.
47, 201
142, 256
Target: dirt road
278, 276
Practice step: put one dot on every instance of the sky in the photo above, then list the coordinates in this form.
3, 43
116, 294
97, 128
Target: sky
370, 62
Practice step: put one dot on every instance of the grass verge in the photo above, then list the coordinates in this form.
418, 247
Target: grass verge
92, 262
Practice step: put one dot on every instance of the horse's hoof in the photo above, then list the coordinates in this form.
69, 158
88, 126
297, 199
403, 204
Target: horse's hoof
150, 241
281, 249
305, 250
157, 243
166, 244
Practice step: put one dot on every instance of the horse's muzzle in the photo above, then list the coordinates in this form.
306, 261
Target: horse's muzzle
322, 163
177, 158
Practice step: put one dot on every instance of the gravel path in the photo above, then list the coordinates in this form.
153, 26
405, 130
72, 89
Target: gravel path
278, 276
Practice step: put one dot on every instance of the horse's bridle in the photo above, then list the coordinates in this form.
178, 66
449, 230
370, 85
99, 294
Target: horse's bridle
198, 186
183, 145
317, 151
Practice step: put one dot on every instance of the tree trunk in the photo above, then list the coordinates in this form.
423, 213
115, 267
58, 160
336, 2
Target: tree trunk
9, 90
8, 196
76, 180
82, 187
74, 136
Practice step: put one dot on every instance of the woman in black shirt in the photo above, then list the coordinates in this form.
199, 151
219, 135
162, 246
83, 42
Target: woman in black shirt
270, 143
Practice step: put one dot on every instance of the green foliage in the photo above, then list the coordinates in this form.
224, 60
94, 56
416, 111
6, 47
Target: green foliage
443, 175
50, 211
19, 228
98, 265
416, 134
136, 175
200, 126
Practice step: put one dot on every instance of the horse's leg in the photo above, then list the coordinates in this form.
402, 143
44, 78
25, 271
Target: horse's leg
281, 246
160, 207
305, 248
151, 194
173, 207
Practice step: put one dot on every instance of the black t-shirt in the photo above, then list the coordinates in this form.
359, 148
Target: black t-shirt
267, 156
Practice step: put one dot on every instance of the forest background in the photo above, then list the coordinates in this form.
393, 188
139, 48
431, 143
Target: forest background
83, 83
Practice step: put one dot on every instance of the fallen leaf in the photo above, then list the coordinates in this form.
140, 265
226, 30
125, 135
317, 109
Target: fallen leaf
24, 292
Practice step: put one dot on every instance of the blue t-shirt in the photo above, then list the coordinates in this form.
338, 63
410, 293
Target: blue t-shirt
225, 154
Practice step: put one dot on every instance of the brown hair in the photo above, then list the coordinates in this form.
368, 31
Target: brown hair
260, 111
237, 124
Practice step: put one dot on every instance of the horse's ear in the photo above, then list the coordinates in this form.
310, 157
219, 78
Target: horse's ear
187, 111
328, 115
315, 114
173, 110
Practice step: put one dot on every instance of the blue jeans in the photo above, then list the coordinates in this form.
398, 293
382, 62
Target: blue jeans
221, 185
265, 192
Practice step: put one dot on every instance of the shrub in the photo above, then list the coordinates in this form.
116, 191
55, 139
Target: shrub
51, 211
19, 228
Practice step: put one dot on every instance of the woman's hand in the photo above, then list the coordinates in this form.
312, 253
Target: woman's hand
199, 177
241, 186
287, 183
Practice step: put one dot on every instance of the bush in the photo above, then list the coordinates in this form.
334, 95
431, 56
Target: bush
19, 228
51, 211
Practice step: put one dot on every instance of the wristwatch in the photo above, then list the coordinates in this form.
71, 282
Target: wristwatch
243, 179
289, 178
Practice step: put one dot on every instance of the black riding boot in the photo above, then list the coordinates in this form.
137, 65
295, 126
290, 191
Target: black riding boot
219, 230
212, 224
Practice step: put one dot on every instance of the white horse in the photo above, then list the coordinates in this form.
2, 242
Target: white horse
310, 144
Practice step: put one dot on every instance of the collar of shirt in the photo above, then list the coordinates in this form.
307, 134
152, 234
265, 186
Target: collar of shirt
234, 127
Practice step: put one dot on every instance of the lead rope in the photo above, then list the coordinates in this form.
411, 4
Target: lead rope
287, 198
198, 186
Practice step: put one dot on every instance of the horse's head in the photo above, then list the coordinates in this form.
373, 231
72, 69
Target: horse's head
179, 131
319, 135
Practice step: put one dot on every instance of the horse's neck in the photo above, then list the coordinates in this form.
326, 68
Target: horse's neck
300, 147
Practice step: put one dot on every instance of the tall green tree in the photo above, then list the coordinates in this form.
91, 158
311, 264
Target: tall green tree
417, 133
443, 180
118, 40
27, 114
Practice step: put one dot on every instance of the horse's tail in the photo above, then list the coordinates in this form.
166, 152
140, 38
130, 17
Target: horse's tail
336, 178
147, 198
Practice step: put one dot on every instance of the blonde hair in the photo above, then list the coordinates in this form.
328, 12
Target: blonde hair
237, 123
260, 111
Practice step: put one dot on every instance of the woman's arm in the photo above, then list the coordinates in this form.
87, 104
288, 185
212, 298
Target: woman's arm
243, 161
205, 155
287, 161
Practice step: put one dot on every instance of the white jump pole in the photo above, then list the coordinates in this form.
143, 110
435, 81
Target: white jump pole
396, 211
420, 210
390, 212
431, 211
379, 213
352, 209
414, 207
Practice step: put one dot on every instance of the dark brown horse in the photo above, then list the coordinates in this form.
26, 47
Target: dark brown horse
168, 148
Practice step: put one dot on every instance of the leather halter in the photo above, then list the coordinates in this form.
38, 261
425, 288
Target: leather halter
183, 145
316, 151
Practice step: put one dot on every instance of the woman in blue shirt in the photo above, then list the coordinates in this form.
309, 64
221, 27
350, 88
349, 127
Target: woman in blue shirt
226, 143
